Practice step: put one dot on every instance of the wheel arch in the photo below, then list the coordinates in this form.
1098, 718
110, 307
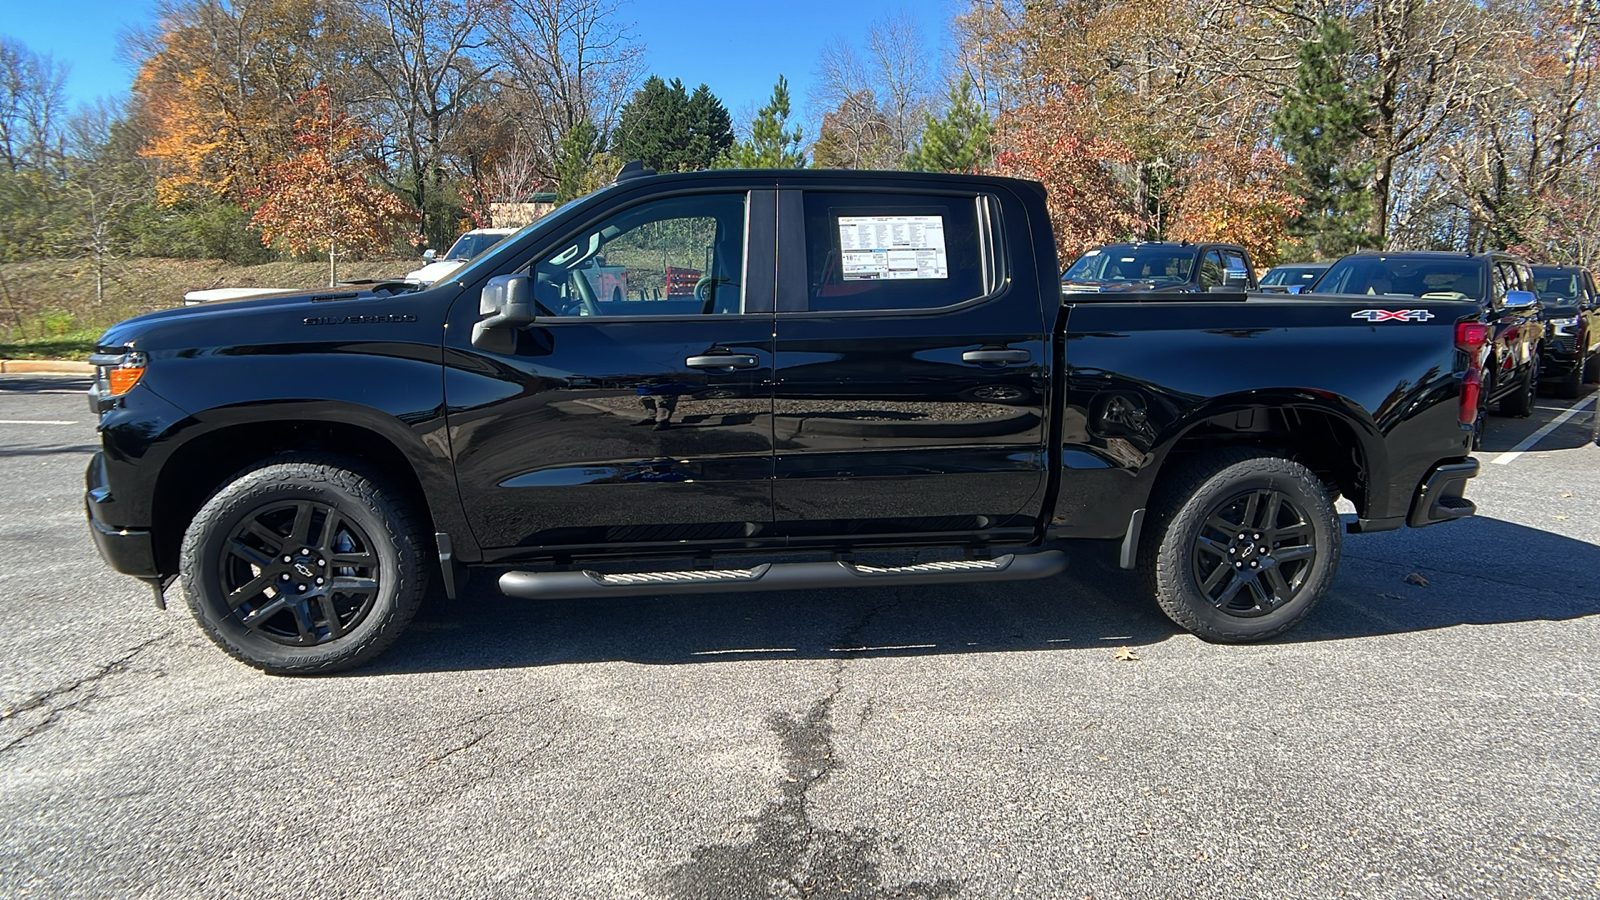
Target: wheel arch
221, 443
1328, 434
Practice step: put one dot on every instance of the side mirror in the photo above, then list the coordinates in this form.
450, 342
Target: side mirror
506, 302
1236, 278
430, 254
1521, 300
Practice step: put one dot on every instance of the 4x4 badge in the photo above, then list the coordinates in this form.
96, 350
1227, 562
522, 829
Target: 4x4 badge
1393, 315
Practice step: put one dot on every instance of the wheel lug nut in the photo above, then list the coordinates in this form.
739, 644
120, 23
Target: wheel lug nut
284, 577
301, 588
1257, 537
1238, 565
305, 551
288, 559
319, 581
322, 562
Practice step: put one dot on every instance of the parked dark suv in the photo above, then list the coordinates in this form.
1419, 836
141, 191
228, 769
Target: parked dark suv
1161, 266
1572, 327
1292, 278
1502, 285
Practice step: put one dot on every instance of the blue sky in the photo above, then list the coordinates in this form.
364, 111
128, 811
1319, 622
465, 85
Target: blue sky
737, 48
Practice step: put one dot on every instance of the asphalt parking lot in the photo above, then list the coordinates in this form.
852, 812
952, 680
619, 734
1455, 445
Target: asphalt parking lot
1433, 730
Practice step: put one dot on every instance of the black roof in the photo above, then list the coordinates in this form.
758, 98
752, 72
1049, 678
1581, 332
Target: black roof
1433, 254
852, 177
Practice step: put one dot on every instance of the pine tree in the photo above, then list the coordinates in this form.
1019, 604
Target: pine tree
668, 130
1319, 128
710, 129
573, 158
771, 145
957, 142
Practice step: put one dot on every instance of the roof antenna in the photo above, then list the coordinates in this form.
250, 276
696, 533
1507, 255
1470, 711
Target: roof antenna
634, 169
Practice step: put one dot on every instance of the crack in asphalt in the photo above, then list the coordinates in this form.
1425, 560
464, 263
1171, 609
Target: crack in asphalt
46, 699
468, 745
788, 855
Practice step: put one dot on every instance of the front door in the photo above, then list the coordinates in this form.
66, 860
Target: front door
636, 408
912, 369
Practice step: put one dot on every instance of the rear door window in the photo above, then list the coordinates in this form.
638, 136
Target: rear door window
877, 251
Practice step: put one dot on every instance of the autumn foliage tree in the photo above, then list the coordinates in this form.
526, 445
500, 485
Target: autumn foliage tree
325, 196
1088, 204
1238, 194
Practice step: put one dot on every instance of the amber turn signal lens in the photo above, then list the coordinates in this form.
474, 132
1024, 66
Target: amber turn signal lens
123, 379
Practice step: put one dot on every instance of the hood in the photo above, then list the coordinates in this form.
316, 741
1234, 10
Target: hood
1119, 287
354, 301
436, 270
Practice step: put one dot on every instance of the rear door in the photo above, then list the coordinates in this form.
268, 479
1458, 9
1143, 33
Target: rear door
912, 367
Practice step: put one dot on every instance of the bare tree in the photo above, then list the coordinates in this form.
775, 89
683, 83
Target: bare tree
32, 103
1422, 56
874, 105
573, 61
428, 64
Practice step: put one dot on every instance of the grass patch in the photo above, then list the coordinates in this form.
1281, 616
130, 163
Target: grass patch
74, 345
48, 307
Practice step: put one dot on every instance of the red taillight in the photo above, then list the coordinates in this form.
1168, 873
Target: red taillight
1471, 387
1470, 338
1471, 335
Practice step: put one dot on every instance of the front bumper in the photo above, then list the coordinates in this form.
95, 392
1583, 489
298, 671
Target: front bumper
1440, 496
130, 551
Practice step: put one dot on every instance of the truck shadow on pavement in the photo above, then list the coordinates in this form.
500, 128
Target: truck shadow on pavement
1502, 434
1096, 606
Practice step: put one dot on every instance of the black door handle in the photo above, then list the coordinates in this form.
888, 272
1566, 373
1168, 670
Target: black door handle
996, 356
721, 361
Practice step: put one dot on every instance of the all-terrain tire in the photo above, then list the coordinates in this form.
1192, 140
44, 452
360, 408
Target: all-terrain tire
303, 566
1519, 403
1204, 531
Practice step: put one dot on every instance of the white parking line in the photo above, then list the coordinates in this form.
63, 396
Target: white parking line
37, 422
1506, 458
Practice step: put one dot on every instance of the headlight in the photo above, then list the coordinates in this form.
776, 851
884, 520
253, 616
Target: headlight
1563, 326
115, 375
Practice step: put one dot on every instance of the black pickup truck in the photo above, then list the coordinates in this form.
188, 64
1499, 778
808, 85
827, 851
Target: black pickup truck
1179, 267
748, 380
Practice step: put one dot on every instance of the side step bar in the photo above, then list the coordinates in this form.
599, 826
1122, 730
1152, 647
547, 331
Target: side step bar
778, 577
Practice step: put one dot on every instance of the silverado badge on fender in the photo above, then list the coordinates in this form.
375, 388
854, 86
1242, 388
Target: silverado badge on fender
1392, 315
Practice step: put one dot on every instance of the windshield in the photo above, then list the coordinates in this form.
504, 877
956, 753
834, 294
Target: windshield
469, 245
1399, 276
1162, 265
1291, 275
1556, 284
471, 270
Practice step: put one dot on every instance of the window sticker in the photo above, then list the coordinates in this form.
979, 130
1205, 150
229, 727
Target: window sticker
888, 247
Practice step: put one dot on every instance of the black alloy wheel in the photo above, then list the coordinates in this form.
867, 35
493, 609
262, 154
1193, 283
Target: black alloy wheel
1239, 545
304, 566
1253, 553
299, 573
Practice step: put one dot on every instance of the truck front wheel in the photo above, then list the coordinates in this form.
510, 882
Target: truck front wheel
302, 566
1240, 545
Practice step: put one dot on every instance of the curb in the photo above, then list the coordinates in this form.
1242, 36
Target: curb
44, 367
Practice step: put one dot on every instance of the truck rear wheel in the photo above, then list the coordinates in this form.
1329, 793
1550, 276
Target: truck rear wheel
302, 566
1240, 545
1519, 404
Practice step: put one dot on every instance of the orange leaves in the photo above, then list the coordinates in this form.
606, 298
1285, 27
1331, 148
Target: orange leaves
1088, 205
1236, 194
323, 196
